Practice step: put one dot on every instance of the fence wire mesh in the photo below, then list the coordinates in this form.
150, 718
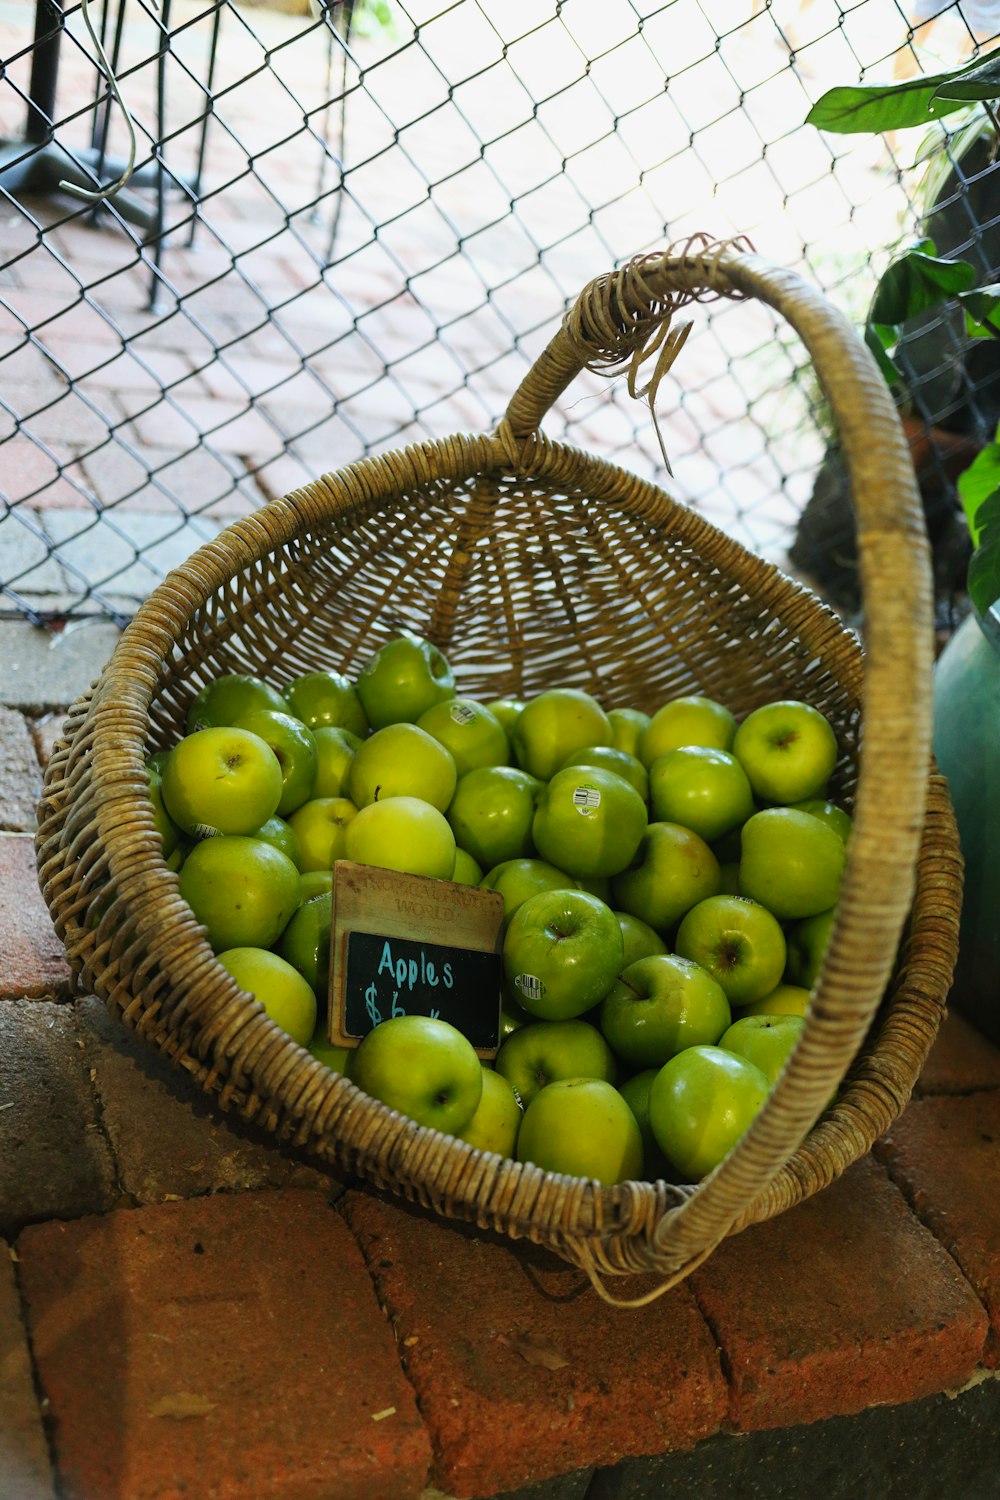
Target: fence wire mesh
355, 228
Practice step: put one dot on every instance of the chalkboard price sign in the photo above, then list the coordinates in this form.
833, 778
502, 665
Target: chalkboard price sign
407, 945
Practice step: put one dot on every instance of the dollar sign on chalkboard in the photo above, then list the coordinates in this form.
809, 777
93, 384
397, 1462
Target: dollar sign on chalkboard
374, 1014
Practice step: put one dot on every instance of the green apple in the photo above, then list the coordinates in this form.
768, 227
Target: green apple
305, 942
466, 871
660, 1005
607, 758
221, 780
791, 862
672, 871
221, 702
553, 725
491, 813
315, 883
402, 760
562, 953
827, 812
337, 1059
808, 941
507, 710
627, 725
700, 1104
326, 699
544, 1051
335, 750
165, 825
701, 788
496, 1122
783, 1000
242, 890
517, 879
692, 720
402, 679
320, 826
768, 1041
738, 942
639, 938
582, 1127
787, 749
468, 729
512, 1015
402, 833
282, 991
422, 1067
294, 747
282, 835
635, 1092
588, 822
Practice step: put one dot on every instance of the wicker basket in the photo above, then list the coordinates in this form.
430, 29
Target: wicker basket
533, 564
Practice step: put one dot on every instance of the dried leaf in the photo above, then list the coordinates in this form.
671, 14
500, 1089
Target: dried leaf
182, 1404
534, 1352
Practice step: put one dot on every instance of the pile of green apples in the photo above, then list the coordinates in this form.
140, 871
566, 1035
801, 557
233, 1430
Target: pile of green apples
669, 883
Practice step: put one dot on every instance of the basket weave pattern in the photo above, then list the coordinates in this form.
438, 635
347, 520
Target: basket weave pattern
535, 565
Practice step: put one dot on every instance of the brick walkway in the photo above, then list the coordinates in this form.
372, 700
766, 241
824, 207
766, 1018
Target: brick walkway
185, 1310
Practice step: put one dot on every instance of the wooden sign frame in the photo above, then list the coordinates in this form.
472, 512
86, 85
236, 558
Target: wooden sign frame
445, 933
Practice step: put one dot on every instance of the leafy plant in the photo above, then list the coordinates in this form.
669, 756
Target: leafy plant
919, 281
872, 108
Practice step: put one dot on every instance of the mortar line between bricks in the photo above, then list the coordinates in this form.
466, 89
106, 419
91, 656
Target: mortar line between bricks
125, 1198
877, 1152
390, 1318
42, 1400
725, 1364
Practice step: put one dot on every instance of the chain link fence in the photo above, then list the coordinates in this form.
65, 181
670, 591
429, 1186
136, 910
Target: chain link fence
354, 229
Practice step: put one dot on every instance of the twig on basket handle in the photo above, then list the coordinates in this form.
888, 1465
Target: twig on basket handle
620, 321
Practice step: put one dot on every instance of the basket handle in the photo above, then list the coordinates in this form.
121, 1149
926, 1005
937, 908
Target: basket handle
621, 319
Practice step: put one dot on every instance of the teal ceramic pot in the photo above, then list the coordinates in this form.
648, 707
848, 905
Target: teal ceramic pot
967, 748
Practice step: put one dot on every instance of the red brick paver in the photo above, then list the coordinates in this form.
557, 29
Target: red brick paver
54, 1159
20, 773
961, 1060
945, 1154
841, 1303
32, 961
168, 1138
223, 1348
25, 1471
521, 1372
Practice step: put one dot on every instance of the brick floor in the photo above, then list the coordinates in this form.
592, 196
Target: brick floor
503, 1344
945, 1155
169, 1139
32, 959
54, 1159
843, 1302
222, 1348
25, 1470
20, 774
961, 1060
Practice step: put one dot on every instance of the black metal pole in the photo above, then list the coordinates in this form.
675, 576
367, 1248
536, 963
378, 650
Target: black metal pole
44, 70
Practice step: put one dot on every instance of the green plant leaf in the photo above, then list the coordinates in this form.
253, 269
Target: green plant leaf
984, 567
982, 311
916, 282
875, 107
978, 484
981, 81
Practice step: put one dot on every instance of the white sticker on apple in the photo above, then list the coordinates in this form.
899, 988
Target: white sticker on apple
586, 799
530, 986
461, 713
